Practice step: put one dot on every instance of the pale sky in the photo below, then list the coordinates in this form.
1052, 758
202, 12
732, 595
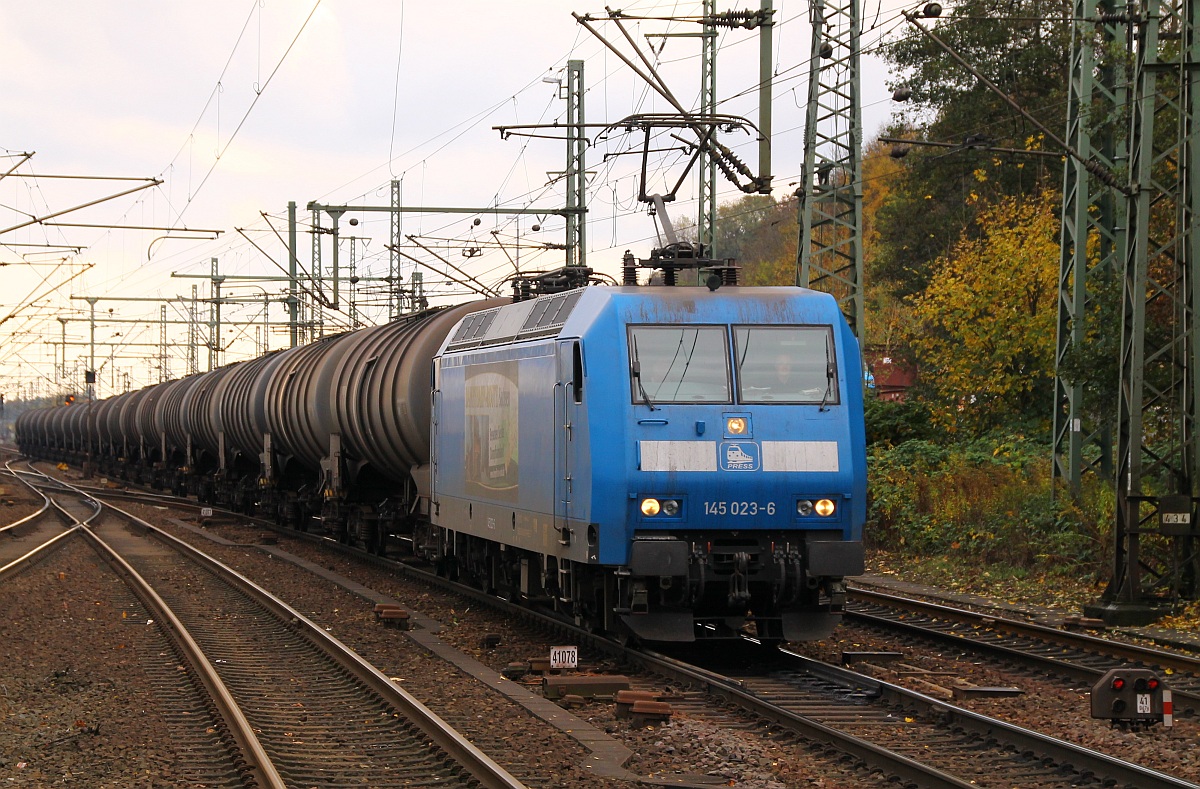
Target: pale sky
208, 98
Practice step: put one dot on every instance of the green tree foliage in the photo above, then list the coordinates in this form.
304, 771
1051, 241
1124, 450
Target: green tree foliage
1020, 45
760, 235
893, 422
742, 226
888, 319
880, 172
988, 319
1095, 364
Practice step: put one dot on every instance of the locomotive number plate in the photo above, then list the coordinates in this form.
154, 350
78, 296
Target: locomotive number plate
748, 508
564, 657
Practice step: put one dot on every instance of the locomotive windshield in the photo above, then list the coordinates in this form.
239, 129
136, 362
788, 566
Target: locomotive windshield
785, 364
672, 364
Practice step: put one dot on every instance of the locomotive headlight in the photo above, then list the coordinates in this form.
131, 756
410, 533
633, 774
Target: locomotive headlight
804, 508
650, 507
824, 508
735, 425
670, 508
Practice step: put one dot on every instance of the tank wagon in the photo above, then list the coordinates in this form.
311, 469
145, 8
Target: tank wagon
667, 463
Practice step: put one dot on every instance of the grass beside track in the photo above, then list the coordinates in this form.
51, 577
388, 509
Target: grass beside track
1013, 585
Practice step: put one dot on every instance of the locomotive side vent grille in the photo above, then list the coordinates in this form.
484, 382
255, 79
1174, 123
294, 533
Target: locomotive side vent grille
472, 329
525, 320
549, 315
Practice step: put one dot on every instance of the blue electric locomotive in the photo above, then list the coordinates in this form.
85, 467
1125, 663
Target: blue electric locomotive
666, 463
671, 463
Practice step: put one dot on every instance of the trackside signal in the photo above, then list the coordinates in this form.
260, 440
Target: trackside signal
1132, 697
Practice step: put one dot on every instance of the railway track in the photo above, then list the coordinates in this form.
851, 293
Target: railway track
1070, 654
29, 539
293, 706
918, 740
207, 751
950, 746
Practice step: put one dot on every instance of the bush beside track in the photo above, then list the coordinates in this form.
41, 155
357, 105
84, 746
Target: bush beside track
981, 514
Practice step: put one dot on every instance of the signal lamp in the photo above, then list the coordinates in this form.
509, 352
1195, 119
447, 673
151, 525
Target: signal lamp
825, 508
1118, 683
650, 507
735, 425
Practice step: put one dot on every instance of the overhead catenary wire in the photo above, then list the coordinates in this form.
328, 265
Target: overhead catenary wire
241, 253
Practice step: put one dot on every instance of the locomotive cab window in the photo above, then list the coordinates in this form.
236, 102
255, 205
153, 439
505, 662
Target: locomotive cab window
786, 364
679, 364
577, 372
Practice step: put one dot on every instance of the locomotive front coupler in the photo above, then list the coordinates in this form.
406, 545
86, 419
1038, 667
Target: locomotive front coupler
739, 583
789, 575
835, 590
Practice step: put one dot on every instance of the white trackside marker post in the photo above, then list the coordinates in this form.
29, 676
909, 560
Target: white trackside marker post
1168, 707
564, 657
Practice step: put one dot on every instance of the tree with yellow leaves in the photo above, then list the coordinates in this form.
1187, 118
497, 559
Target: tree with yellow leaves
986, 324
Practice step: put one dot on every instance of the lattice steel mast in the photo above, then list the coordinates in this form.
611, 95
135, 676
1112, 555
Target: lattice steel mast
576, 166
396, 306
1157, 453
830, 250
1093, 234
706, 227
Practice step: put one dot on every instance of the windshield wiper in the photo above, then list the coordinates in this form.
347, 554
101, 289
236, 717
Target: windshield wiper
636, 369
830, 373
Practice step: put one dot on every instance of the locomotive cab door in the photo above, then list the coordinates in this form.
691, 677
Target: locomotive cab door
435, 405
568, 397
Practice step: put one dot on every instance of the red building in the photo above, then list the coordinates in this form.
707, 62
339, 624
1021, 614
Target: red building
893, 375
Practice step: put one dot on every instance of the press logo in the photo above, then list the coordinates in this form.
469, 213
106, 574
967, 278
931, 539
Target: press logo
739, 456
